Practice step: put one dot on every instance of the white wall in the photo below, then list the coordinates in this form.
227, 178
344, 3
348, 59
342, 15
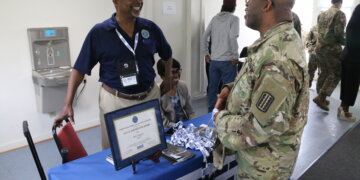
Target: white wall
172, 25
17, 94
183, 31
307, 14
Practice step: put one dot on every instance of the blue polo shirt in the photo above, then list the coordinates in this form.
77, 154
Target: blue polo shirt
102, 45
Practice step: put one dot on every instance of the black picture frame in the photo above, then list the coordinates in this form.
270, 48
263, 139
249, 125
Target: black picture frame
113, 119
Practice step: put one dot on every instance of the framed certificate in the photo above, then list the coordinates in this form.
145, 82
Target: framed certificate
135, 132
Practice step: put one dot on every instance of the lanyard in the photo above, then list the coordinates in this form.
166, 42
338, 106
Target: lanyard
126, 43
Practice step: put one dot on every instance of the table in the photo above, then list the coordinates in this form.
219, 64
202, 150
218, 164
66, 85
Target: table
96, 167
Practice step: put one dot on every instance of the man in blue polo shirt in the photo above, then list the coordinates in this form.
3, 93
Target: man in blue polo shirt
124, 45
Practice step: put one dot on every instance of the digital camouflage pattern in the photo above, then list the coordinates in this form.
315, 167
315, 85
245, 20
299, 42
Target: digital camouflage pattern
311, 40
331, 25
267, 107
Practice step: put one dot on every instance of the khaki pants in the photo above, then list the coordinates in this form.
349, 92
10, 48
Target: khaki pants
109, 102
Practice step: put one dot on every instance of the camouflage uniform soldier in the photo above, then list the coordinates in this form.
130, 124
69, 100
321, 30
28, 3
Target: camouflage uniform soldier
311, 39
266, 109
331, 24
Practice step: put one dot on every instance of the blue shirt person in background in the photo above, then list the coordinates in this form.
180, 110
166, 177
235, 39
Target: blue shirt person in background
124, 45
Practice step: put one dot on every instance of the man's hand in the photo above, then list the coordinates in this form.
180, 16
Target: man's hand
222, 97
207, 58
221, 102
166, 85
214, 113
67, 112
235, 61
76, 77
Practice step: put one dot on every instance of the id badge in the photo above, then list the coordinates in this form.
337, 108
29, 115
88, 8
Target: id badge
129, 73
127, 81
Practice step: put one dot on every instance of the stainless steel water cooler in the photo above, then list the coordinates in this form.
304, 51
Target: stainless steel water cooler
51, 66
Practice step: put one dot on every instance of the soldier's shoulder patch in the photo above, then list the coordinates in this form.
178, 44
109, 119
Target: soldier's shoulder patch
268, 97
342, 19
265, 101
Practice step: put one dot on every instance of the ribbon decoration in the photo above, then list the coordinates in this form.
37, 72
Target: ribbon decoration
200, 138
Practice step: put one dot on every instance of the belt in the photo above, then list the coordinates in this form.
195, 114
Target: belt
138, 96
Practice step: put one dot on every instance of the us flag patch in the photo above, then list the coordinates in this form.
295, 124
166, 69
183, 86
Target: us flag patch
265, 101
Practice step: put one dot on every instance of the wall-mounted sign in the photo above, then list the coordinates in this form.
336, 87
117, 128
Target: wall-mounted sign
169, 8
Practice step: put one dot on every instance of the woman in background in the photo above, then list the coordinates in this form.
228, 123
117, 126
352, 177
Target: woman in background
350, 77
175, 104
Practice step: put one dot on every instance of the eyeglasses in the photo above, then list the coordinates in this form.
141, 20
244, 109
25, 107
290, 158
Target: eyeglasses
177, 71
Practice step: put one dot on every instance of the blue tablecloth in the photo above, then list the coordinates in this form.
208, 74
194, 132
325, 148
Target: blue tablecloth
96, 167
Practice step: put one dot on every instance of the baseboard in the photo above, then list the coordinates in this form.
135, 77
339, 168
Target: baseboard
43, 137
198, 95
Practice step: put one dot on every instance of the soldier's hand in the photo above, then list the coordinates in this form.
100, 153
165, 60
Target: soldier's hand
67, 112
222, 97
207, 58
214, 114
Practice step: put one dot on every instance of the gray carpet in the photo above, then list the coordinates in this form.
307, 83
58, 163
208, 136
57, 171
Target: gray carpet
341, 161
